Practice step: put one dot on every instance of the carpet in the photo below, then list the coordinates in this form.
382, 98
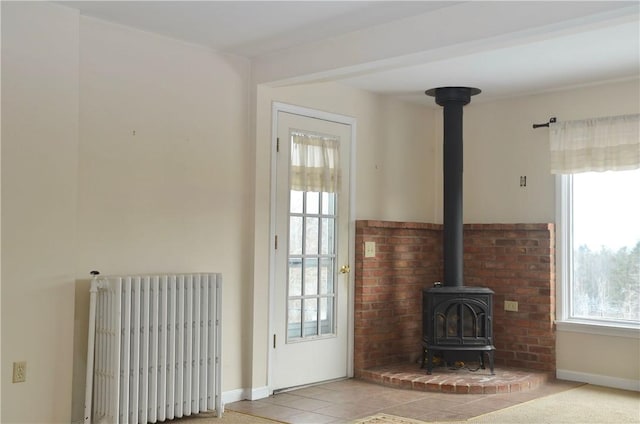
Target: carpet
386, 419
586, 404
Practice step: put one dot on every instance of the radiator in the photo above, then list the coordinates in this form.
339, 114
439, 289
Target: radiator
154, 348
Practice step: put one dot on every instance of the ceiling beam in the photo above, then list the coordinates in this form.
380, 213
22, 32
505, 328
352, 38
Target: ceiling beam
457, 30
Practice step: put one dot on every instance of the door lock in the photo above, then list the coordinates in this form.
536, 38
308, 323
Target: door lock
345, 269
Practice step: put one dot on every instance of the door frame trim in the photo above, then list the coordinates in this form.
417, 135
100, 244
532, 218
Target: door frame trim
276, 108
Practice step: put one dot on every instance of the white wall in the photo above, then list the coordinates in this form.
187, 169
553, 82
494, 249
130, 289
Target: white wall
39, 207
394, 173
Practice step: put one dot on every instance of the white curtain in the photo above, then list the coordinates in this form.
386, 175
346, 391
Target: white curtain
599, 144
315, 162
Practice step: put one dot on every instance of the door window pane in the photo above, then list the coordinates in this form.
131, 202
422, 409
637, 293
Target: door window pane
326, 236
295, 277
310, 277
296, 205
294, 317
328, 203
295, 235
326, 275
310, 317
313, 202
311, 236
326, 315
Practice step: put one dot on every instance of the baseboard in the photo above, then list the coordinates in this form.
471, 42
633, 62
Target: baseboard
259, 393
234, 395
599, 380
245, 394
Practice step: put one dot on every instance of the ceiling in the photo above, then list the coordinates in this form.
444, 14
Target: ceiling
401, 48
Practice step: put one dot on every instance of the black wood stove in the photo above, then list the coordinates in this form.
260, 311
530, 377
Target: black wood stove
456, 319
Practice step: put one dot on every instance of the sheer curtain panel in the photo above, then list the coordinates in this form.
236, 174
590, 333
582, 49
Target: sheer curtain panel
598, 144
315, 162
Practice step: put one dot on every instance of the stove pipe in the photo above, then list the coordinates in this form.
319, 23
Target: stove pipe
452, 99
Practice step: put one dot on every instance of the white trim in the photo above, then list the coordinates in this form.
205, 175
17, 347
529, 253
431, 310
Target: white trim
259, 393
331, 117
599, 328
352, 253
245, 394
563, 248
236, 395
599, 380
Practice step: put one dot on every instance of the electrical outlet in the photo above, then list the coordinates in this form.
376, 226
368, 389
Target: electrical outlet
20, 372
369, 249
511, 305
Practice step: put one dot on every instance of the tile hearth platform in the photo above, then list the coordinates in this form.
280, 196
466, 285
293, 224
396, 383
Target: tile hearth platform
460, 380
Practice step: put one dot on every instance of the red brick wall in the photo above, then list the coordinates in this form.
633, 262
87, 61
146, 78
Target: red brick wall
388, 289
515, 260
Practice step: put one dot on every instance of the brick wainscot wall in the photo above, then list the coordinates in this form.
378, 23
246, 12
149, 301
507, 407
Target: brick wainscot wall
516, 261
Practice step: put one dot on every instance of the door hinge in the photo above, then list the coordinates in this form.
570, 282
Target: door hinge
276, 243
274, 341
277, 144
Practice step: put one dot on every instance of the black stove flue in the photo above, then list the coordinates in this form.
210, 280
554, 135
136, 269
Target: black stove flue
452, 99
456, 319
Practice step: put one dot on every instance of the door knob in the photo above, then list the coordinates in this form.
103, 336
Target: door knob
345, 269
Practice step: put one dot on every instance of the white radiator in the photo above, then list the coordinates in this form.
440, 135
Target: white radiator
154, 348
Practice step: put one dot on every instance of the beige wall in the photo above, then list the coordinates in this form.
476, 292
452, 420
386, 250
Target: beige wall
606, 360
81, 191
164, 179
501, 145
393, 176
39, 207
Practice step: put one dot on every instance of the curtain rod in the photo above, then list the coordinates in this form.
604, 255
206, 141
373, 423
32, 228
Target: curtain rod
552, 120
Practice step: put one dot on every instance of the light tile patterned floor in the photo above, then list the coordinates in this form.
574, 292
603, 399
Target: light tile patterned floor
347, 400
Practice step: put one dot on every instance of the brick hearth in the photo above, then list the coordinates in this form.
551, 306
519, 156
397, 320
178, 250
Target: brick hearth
459, 381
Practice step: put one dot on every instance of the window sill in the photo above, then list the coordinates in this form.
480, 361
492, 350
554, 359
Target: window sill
600, 329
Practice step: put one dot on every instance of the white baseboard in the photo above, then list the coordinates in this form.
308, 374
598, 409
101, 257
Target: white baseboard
599, 380
259, 393
245, 394
234, 395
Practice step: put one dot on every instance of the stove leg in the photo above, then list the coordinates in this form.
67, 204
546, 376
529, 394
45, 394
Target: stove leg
490, 354
429, 361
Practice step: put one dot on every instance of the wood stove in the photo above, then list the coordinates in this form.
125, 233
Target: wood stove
456, 320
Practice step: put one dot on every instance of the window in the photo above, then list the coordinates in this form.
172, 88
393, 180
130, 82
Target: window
598, 224
314, 183
600, 247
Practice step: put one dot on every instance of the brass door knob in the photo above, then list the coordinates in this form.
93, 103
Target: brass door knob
345, 269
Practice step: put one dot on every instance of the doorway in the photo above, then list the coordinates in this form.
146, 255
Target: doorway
311, 317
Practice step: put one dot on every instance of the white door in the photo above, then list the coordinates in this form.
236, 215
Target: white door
311, 287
